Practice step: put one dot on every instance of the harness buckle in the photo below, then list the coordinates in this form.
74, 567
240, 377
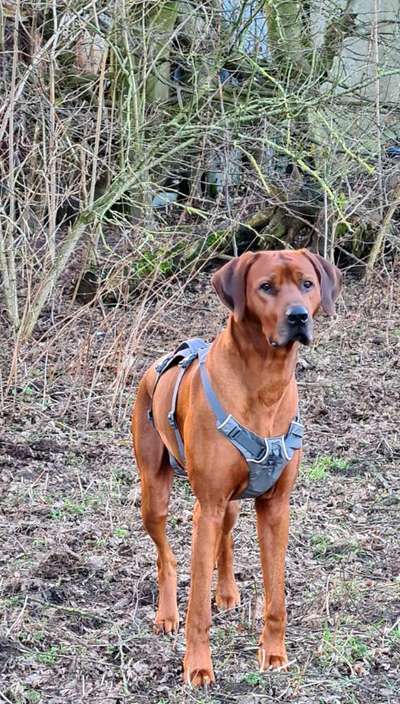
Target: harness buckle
233, 432
171, 419
186, 361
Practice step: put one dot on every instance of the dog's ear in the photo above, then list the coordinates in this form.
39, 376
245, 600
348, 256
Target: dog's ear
230, 283
330, 280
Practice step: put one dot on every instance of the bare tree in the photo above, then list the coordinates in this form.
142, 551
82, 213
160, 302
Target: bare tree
148, 122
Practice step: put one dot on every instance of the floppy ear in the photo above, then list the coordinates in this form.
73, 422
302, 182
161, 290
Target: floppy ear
230, 283
330, 280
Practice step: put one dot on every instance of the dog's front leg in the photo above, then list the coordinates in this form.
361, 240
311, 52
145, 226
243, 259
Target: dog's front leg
272, 529
207, 527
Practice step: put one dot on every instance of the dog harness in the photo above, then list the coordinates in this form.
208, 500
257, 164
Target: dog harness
266, 457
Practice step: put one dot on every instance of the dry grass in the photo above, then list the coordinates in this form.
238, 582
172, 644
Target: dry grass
78, 589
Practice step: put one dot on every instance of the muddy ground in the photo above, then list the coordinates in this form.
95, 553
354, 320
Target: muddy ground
77, 582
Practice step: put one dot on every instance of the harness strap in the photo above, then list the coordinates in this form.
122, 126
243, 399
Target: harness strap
171, 414
252, 446
184, 355
219, 412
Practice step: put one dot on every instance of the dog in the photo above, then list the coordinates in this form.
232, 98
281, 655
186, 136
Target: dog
249, 370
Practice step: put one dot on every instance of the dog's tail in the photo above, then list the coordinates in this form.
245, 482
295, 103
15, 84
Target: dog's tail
148, 447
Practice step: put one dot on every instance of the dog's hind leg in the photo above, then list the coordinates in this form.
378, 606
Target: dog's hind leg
227, 594
156, 478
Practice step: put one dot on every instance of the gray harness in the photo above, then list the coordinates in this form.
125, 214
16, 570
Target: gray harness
266, 457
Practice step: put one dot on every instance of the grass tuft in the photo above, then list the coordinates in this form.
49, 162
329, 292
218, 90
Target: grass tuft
324, 464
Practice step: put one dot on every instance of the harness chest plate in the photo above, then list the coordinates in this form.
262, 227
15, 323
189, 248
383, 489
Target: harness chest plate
266, 457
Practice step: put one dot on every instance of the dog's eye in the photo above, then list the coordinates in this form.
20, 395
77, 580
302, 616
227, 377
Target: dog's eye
266, 287
308, 284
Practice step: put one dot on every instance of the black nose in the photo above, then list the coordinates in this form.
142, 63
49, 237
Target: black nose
297, 315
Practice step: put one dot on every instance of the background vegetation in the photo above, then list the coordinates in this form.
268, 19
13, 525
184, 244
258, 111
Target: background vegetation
140, 138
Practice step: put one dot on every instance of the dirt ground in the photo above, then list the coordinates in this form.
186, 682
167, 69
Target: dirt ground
77, 581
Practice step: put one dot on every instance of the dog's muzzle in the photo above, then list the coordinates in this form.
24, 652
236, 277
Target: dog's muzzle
298, 325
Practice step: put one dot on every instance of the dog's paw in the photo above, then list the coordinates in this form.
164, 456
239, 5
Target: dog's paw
166, 623
269, 660
227, 596
197, 668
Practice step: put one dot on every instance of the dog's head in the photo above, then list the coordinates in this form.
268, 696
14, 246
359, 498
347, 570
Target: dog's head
280, 291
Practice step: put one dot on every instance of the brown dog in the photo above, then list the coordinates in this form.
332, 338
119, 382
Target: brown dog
273, 297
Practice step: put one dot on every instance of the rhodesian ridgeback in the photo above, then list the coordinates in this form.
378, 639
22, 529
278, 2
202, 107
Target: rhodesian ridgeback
272, 298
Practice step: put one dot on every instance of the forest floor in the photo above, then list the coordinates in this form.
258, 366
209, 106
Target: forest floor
77, 582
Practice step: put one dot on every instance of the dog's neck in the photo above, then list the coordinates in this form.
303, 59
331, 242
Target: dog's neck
262, 376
